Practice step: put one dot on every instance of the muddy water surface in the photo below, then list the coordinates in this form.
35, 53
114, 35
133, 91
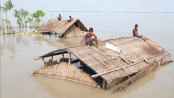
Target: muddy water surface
17, 64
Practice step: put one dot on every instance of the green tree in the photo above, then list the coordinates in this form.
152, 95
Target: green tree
0, 27
24, 14
29, 20
19, 21
38, 20
8, 5
17, 14
37, 15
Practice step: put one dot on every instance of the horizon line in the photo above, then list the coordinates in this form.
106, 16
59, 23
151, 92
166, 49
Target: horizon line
111, 11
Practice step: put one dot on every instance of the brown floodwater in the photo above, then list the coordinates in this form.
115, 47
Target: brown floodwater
18, 64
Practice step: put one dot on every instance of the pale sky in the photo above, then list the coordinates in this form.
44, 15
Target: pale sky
95, 5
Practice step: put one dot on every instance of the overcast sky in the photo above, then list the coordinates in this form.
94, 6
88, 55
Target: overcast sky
96, 5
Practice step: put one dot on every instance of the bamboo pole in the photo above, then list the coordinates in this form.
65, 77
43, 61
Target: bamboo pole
121, 51
104, 84
97, 75
102, 54
137, 76
51, 60
69, 58
43, 62
63, 56
95, 58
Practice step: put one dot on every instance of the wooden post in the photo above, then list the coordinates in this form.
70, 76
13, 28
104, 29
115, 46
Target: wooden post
69, 58
104, 84
63, 56
50, 38
43, 63
51, 60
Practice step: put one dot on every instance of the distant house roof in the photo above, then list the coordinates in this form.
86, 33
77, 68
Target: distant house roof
60, 27
104, 59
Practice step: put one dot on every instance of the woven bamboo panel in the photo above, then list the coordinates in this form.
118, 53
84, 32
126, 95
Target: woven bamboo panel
66, 70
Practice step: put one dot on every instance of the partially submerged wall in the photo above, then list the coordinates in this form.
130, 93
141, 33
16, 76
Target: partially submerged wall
68, 71
74, 31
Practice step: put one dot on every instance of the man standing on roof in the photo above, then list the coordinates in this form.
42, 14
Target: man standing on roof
135, 33
59, 18
70, 19
88, 38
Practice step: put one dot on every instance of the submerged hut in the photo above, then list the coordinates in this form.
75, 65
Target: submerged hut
75, 28
106, 67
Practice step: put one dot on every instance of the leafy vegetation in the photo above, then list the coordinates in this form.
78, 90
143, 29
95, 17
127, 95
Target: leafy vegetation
0, 27
8, 5
17, 14
37, 15
22, 16
29, 20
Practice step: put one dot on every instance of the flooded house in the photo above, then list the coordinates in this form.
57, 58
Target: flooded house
117, 61
75, 28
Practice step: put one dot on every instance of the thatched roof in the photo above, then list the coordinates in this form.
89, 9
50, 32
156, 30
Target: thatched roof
60, 27
133, 49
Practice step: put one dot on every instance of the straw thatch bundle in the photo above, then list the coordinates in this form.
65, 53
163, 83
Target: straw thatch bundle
66, 70
75, 28
74, 31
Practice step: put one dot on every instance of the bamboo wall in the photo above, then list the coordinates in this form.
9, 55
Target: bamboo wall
68, 71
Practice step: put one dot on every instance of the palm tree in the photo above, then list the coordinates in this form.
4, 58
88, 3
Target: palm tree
7, 7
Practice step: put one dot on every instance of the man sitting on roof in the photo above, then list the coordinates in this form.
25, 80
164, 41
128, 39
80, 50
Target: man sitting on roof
88, 38
70, 19
59, 18
135, 33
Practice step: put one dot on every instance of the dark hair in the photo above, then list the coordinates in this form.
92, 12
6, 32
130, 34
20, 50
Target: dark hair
136, 25
90, 29
59, 14
69, 16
